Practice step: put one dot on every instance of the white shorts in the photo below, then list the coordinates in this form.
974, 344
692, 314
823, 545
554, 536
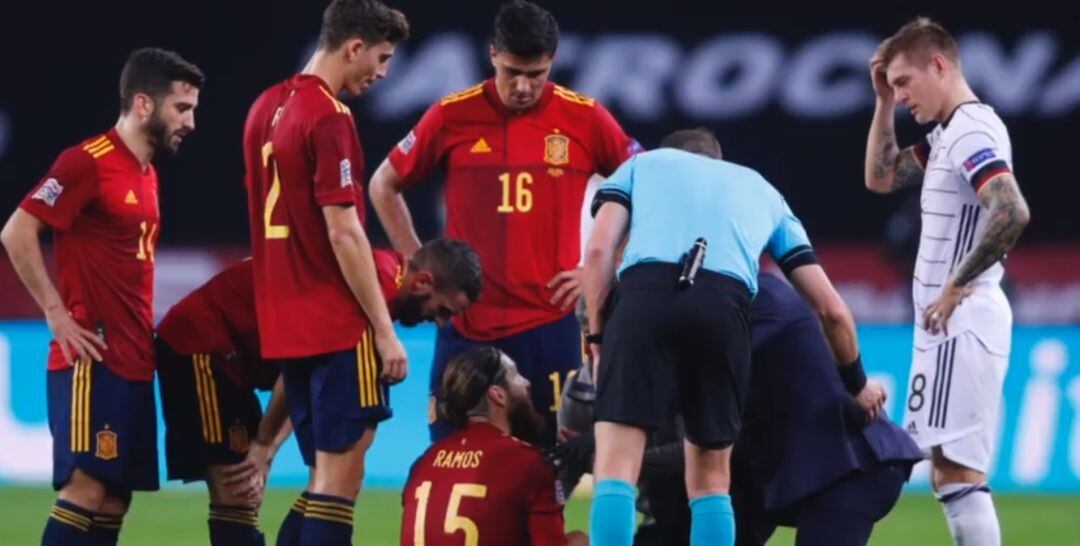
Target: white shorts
953, 397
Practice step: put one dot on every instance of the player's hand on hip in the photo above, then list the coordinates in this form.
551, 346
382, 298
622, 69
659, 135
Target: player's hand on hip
936, 316
871, 399
567, 286
882, 89
394, 360
72, 338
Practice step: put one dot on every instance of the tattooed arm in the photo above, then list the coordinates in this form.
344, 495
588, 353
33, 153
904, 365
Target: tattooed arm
1008, 215
887, 167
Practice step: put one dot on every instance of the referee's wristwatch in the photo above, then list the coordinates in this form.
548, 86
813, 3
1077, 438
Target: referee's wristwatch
596, 338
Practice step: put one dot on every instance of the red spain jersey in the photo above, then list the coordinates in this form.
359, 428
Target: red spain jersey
515, 183
301, 153
103, 208
482, 487
218, 318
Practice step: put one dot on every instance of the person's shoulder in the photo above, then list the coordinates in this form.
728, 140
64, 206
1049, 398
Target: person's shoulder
464, 100
974, 118
572, 99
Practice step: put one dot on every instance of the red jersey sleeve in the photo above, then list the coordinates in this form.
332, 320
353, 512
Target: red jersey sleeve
333, 138
64, 192
545, 502
612, 145
421, 150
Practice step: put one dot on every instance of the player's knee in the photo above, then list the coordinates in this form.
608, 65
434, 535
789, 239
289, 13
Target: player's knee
84, 491
945, 471
116, 505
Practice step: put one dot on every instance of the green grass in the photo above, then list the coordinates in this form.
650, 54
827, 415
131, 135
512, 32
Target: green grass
177, 517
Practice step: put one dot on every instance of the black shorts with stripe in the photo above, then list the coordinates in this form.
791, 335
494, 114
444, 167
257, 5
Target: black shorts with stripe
209, 419
104, 425
333, 398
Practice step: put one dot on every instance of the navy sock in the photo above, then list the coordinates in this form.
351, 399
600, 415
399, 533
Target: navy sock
106, 529
68, 525
328, 521
289, 534
234, 526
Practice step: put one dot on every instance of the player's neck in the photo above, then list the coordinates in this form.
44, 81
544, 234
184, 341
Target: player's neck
960, 94
328, 69
497, 419
135, 140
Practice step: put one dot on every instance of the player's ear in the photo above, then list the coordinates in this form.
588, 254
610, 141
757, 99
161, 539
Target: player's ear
498, 396
142, 105
354, 47
424, 283
492, 52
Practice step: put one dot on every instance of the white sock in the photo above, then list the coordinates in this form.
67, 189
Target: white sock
969, 510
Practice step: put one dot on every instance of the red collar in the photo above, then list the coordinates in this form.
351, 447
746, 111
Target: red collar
492, 95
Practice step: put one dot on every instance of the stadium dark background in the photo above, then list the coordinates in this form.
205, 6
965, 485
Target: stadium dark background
61, 61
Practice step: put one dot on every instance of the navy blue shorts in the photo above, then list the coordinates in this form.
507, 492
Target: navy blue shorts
545, 355
104, 425
209, 419
333, 398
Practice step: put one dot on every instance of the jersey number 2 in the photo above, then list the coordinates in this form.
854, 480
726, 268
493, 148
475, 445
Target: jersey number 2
272, 231
453, 522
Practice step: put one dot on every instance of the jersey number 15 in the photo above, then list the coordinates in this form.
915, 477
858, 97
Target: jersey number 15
452, 523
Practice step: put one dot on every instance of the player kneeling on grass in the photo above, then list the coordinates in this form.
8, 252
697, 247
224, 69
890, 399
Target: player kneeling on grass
484, 484
209, 366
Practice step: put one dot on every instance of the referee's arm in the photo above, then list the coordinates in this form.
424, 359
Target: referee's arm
609, 228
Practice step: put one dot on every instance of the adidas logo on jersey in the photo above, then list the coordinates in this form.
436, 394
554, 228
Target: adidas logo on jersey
481, 147
911, 428
131, 199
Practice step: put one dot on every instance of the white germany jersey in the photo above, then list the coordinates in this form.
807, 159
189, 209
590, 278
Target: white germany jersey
959, 156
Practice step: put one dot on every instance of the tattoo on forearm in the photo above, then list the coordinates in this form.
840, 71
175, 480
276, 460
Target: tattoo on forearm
906, 169
1007, 218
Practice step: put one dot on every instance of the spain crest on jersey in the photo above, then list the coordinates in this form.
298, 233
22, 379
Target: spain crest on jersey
557, 149
238, 438
107, 448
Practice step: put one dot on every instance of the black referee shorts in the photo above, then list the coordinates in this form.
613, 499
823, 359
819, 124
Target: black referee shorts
669, 350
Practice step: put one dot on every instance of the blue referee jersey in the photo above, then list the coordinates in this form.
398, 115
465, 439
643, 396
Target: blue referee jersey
674, 197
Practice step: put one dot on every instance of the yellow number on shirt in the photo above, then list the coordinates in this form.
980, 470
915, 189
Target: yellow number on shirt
453, 522
523, 199
272, 231
146, 242
556, 388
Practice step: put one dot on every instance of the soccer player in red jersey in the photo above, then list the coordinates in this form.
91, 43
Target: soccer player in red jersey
317, 297
481, 485
209, 365
518, 151
101, 200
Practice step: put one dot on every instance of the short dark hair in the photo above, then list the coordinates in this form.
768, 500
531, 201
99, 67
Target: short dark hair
525, 30
700, 141
370, 20
465, 382
919, 39
152, 71
455, 264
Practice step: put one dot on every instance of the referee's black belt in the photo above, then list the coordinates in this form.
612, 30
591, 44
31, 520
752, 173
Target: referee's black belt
666, 274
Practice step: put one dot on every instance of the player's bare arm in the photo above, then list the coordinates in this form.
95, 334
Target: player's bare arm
887, 167
612, 221
1008, 215
353, 252
839, 326
386, 195
21, 239
247, 479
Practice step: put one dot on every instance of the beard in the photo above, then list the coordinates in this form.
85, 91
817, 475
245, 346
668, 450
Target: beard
158, 132
410, 311
525, 422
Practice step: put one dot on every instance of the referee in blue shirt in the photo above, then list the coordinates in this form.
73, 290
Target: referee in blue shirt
678, 338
